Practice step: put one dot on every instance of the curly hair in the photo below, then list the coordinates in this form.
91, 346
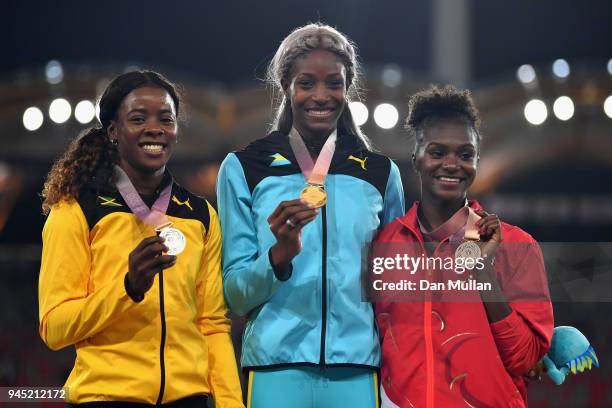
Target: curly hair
301, 41
435, 103
90, 158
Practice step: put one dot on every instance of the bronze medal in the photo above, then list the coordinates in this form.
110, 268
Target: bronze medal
468, 250
314, 195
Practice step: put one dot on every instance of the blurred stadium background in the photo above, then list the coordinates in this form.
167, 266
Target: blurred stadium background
541, 73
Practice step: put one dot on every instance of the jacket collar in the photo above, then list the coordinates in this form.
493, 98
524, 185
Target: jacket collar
410, 219
100, 188
276, 141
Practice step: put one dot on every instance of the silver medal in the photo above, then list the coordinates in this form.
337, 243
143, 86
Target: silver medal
173, 239
468, 250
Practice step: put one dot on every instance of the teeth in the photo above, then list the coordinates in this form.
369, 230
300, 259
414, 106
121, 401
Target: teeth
449, 179
319, 112
154, 148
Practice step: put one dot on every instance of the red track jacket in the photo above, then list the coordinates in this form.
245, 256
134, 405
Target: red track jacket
447, 354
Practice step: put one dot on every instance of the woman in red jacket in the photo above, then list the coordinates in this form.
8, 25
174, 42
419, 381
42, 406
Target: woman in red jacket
461, 334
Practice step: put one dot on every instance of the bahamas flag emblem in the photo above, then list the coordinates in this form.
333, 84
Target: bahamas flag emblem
278, 160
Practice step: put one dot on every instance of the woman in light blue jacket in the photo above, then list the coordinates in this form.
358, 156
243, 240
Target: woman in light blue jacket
294, 266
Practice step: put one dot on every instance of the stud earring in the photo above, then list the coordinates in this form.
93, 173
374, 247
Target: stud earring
413, 163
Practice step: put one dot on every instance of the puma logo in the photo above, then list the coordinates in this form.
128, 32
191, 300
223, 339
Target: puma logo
186, 202
358, 160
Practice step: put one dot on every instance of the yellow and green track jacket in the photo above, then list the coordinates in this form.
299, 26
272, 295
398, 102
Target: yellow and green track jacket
175, 343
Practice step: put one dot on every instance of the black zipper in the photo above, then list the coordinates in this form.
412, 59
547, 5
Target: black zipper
162, 365
323, 288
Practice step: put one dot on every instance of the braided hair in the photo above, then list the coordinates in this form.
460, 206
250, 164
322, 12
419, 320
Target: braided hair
91, 156
301, 41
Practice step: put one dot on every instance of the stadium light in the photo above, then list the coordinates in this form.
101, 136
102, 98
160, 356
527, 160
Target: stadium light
60, 110
535, 112
561, 68
608, 106
392, 76
563, 108
32, 118
359, 112
526, 74
386, 115
54, 72
84, 111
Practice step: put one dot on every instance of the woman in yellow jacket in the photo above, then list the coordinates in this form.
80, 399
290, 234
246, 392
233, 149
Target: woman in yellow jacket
145, 312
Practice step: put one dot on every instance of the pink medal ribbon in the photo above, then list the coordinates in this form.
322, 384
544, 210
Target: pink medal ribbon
471, 232
460, 227
314, 173
154, 216
468, 249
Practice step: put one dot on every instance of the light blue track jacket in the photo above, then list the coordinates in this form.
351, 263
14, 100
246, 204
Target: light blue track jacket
317, 315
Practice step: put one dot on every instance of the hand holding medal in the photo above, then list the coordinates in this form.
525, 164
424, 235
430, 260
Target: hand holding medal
489, 228
145, 261
148, 259
286, 223
288, 219
482, 236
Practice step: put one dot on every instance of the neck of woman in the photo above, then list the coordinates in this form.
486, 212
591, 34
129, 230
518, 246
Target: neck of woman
144, 182
434, 212
314, 142
314, 146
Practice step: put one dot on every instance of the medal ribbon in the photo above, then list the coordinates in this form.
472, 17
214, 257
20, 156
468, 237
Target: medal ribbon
471, 232
461, 226
154, 216
314, 173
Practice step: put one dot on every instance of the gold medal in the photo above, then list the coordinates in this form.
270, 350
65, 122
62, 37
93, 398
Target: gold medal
314, 195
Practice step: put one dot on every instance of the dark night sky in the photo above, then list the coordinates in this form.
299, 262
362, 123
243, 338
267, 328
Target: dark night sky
230, 41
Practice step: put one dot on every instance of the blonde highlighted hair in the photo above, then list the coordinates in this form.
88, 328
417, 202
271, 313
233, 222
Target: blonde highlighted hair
314, 36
